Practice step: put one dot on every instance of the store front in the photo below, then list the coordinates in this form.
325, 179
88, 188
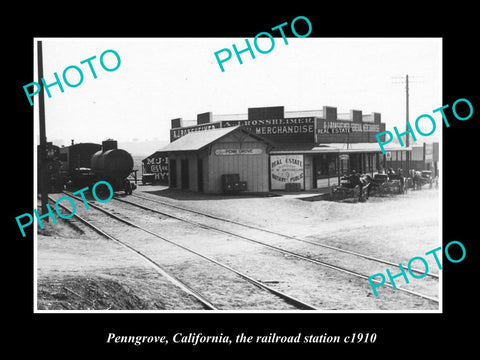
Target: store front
326, 169
309, 149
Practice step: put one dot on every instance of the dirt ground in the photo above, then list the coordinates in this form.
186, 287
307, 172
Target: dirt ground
77, 269
395, 228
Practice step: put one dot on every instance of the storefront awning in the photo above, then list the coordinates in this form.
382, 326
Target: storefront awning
339, 148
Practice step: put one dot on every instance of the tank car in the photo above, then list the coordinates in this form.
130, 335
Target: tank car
84, 164
113, 165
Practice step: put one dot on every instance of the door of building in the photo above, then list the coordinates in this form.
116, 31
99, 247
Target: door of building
184, 174
173, 173
200, 175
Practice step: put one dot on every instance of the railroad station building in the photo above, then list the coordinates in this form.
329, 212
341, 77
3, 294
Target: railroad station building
272, 149
201, 161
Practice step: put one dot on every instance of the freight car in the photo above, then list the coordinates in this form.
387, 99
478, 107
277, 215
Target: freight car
76, 160
84, 164
113, 165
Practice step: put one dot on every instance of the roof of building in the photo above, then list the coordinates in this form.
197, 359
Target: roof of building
195, 141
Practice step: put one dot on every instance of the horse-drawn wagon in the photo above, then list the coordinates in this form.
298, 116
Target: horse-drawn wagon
351, 186
386, 184
361, 187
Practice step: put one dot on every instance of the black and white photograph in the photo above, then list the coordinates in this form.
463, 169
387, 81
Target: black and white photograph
282, 186
213, 181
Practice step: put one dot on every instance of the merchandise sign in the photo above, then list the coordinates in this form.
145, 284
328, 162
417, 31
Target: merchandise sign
286, 169
291, 130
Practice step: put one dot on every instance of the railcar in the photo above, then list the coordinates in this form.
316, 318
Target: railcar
84, 164
112, 165
76, 160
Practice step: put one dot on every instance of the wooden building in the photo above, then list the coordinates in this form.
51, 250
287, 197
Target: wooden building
155, 168
426, 157
198, 161
306, 149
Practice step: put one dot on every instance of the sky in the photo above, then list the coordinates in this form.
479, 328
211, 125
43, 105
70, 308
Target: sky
164, 78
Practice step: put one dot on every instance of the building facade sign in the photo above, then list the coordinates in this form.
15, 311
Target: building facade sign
428, 152
291, 130
179, 132
222, 152
157, 165
286, 169
346, 131
296, 130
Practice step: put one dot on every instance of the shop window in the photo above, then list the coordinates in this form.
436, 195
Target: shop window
326, 166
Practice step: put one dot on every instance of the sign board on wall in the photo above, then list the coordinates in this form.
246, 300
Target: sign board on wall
286, 169
289, 130
344, 130
179, 132
428, 152
221, 152
157, 164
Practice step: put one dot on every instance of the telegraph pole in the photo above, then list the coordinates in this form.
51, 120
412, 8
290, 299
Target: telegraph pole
43, 138
406, 126
407, 111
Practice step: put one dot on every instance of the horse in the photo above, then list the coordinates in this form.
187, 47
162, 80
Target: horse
417, 180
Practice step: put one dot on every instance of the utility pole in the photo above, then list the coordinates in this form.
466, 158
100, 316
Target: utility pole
407, 153
406, 126
407, 115
43, 138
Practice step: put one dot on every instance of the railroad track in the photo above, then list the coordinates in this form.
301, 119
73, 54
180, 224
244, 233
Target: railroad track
342, 269
207, 304
418, 271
